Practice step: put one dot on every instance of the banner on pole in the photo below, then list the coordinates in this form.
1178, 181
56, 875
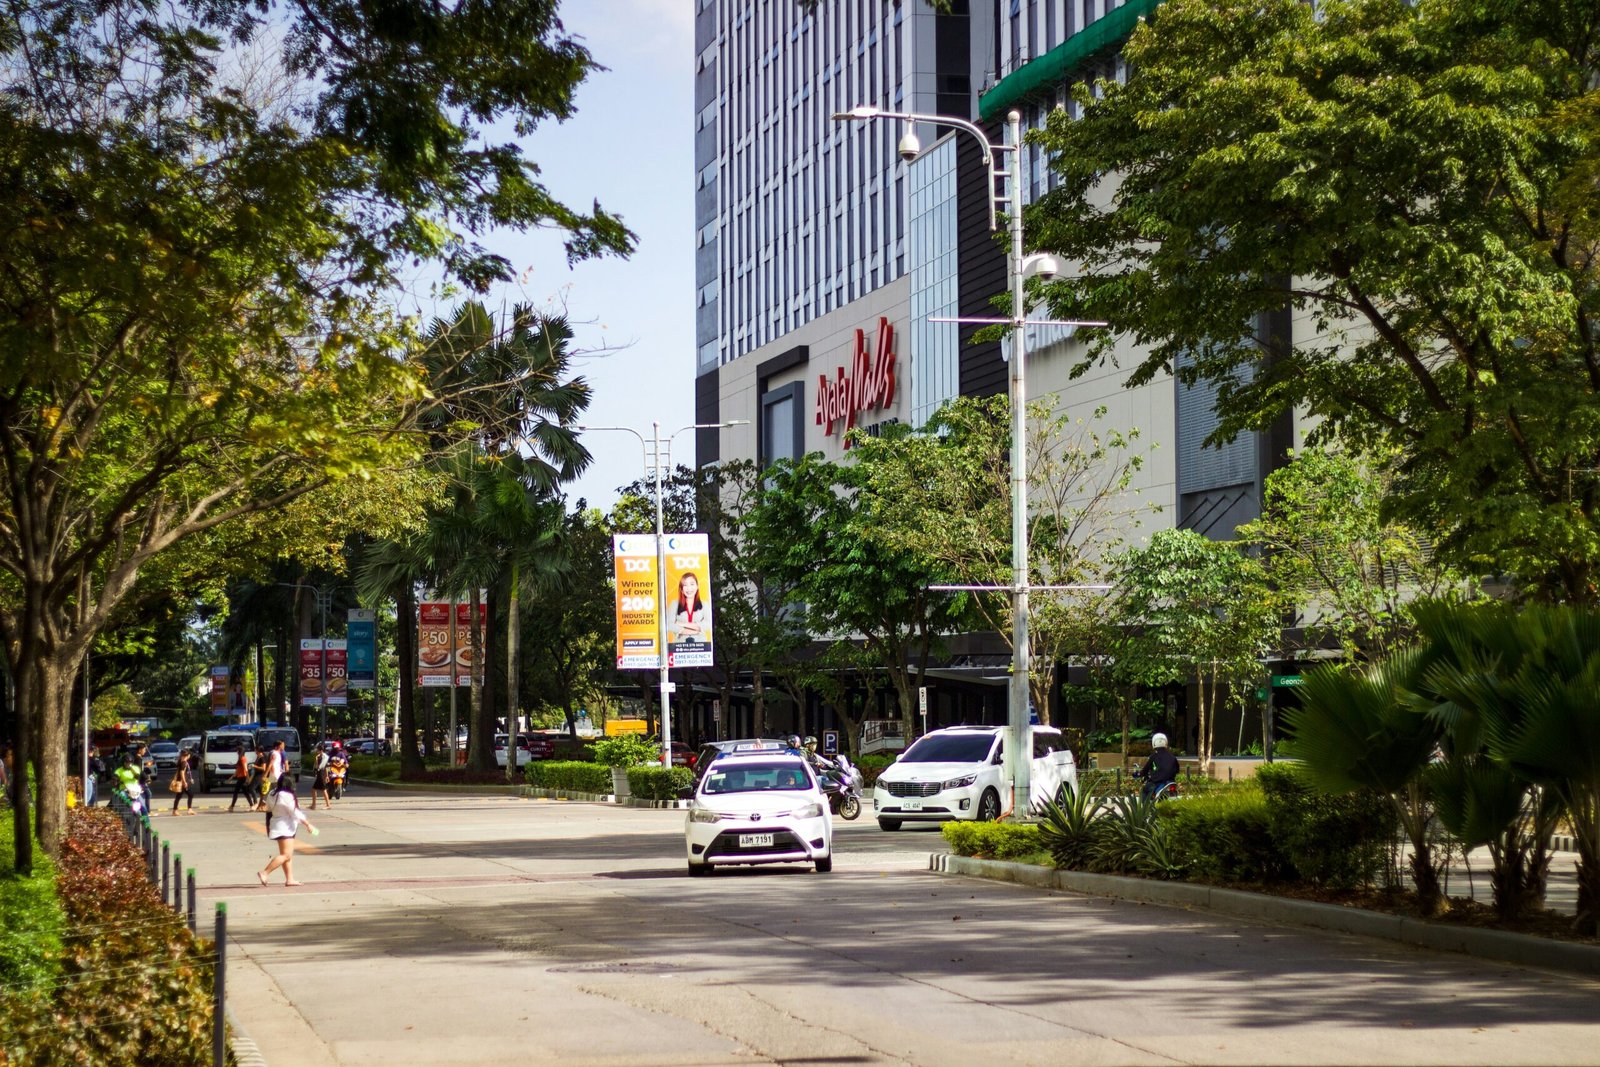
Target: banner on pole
311, 671
361, 633
688, 604
688, 559
465, 668
335, 670
638, 626
435, 652
219, 689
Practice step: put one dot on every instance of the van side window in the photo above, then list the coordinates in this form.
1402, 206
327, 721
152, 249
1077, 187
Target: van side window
1045, 744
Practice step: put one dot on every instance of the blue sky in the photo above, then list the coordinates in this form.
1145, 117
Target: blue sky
630, 146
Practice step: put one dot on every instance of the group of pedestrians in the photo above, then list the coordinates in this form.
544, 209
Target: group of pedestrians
253, 778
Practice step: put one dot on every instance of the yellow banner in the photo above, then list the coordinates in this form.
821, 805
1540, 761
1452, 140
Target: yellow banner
638, 626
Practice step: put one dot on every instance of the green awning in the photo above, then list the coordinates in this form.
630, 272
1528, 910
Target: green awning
1054, 67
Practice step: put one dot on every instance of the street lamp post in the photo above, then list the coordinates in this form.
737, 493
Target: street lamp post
1020, 267
652, 448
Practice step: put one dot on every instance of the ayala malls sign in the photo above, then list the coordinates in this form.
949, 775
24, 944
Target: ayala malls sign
869, 384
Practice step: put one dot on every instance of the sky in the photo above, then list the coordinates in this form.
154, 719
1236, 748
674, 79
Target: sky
631, 147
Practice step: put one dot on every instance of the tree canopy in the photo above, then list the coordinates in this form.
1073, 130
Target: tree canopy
1416, 183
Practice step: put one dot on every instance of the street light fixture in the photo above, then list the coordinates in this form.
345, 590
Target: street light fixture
652, 447
1020, 268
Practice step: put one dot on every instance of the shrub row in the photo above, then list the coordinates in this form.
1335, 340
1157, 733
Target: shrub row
992, 840
456, 776
658, 783
31, 918
132, 977
576, 775
1274, 828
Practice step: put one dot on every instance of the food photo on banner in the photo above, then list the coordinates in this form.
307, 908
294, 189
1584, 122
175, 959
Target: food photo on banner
435, 650
688, 558
335, 674
463, 649
311, 671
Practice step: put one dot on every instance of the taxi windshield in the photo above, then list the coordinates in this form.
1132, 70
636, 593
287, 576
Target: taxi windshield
756, 778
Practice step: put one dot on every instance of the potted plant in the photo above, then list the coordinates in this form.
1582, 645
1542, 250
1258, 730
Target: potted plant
621, 752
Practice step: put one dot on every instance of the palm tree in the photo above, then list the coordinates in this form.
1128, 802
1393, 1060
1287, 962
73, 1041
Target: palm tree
1523, 687
1356, 730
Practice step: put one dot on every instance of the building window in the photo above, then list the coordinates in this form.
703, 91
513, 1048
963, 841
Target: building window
782, 431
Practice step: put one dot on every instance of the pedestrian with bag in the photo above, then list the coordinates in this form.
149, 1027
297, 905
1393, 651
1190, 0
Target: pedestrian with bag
243, 781
283, 822
319, 784
182, 784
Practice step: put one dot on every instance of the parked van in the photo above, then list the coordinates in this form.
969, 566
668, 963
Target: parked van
219, 752
957, 773
271, 735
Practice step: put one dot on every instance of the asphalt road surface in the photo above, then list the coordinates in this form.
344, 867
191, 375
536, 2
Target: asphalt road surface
451, 930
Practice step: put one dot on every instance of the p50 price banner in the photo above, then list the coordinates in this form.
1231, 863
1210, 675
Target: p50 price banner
435, 649
336, 674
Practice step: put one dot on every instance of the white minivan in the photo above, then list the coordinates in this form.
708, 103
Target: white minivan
959, 773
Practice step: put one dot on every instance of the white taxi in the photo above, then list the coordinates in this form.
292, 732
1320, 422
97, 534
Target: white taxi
758, 807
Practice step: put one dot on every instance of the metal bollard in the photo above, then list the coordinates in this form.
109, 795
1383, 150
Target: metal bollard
150, 858
177, 883
166, 871
219, 996
193, 928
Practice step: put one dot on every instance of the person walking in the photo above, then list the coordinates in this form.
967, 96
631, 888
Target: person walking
259, 782
319, 785
243, 782
182, 784
283, 822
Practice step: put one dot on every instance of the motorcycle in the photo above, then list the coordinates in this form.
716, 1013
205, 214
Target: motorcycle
842, 783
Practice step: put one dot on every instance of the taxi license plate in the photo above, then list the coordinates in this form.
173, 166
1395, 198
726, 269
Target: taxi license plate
911, 805
755, 841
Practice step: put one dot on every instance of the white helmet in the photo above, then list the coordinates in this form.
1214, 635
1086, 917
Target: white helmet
1158, 741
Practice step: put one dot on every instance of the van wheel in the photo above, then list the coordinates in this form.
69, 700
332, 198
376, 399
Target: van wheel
205, 783
989, 806
888, 824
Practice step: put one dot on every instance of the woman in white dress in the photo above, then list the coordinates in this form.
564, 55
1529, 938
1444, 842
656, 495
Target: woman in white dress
283, 822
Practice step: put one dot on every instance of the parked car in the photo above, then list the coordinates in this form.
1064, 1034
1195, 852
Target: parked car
366, 746
758, 807
682, 755
165, 754
540, 746
523, 755
958, 773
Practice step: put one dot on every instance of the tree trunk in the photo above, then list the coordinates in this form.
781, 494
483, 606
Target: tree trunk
514, 671
44, 677
406, 647
480, 742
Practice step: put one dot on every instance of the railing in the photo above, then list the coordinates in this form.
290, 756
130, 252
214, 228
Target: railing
165, 870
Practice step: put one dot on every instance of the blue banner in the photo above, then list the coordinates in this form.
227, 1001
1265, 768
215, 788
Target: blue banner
362, 634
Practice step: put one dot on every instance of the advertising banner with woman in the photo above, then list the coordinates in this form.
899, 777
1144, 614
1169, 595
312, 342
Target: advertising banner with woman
688, 559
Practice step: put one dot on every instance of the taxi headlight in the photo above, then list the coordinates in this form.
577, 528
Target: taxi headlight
807, 811
958, 783
703, 815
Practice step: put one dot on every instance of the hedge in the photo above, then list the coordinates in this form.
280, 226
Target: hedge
658, 783
31, 918
576, 775
1334, 841
992, 840
1224, 836
132, 976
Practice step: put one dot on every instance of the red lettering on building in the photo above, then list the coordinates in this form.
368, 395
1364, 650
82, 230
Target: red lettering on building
868, 386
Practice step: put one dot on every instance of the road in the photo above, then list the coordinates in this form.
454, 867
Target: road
452, 930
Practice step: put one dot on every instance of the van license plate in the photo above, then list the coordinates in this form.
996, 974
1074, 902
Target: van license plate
911, 805
756, 841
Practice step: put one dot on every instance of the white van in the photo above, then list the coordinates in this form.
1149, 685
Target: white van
959, 773
219, 752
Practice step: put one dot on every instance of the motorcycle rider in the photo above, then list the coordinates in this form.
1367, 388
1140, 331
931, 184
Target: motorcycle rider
1160, 770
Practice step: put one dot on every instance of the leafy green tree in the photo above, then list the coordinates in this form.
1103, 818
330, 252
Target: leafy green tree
1414, 183
1351, 574
570, 649
944, 493
811, 531
192, 325
1197, 608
